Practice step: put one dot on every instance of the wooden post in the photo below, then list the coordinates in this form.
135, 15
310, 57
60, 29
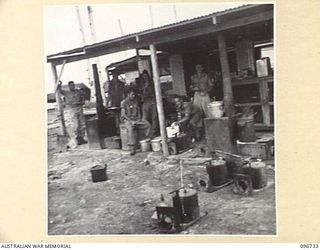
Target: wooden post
99, 103
157, 87
227, 85
138, 59
58, 97
264, 98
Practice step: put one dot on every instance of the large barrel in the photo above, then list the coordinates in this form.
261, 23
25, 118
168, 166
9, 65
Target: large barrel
218, 172
186, 204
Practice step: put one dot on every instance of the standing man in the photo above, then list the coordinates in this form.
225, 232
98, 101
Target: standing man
115, 90
201, 85
74, 100
131, 117
149, 107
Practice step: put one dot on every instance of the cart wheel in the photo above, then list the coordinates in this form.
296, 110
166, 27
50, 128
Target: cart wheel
172, 148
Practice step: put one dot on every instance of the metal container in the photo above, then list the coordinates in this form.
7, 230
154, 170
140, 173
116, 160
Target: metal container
215, 109
246, 132
258, 174
263, 66
145, 145
99, 173
156, 144
218, 172
186, 203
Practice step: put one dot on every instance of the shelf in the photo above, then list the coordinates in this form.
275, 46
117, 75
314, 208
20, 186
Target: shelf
256, 80
250, 104
247, 104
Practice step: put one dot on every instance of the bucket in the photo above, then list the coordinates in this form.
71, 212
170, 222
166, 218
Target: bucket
145, 145
156, 144
215, 109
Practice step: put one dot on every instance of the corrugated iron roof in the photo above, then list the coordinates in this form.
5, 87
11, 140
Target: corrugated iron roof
167, 26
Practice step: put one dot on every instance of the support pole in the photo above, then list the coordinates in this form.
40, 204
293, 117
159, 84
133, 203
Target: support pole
157, 87
94, 39
99, 103
227, 85
138, 59
58, 97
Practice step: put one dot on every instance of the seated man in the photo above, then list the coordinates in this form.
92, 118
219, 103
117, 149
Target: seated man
191, 118
131, 117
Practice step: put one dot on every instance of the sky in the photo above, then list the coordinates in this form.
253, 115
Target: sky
62, 30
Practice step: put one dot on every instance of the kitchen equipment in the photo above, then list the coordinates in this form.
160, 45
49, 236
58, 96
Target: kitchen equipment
218, 172
185, 201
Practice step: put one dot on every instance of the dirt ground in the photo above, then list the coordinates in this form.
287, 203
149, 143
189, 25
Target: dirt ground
125, 203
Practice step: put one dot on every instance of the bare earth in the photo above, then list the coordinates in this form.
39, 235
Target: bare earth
125, 203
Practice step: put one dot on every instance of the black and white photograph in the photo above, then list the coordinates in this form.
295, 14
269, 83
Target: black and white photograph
160, 119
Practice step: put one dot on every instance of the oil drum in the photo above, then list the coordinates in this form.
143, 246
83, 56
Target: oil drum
218, 172
186, 203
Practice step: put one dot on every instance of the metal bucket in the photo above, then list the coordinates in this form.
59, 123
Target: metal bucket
156, 144
145, 145
215, 109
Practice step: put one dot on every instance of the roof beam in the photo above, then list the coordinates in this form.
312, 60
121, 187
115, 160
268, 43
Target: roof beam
158, 37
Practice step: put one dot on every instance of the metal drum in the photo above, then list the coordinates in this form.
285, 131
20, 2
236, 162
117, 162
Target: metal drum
218, 172
258, 172
186, 203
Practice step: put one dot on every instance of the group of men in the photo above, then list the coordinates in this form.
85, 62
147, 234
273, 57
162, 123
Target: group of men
138, 108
